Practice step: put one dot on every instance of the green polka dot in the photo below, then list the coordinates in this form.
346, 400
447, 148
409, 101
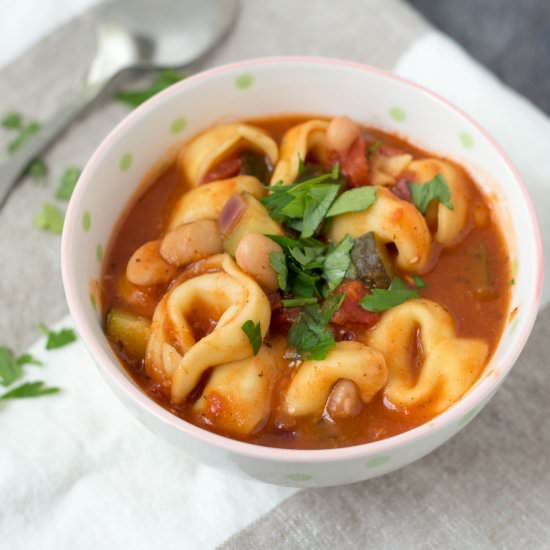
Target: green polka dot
468, 416
398, 114
299, 477
244, 81
86, 220
178, 125
99, 252
515, 268
466, 139
125, 161
376, 461
93, 302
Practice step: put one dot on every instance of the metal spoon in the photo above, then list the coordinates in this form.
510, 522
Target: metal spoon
133, 35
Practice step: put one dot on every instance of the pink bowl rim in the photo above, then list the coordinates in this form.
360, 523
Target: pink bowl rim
470, 402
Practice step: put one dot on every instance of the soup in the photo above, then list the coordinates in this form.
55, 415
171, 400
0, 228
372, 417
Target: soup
306, 283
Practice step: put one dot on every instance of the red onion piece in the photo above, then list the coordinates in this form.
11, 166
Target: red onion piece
231, 213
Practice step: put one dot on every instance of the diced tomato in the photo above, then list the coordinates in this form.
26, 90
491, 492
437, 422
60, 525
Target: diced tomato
350, 310
282, 319
354, 163
226, 168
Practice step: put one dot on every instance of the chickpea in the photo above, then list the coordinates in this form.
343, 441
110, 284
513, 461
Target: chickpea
146, 267
190, 242
344, 400
341, 133
252, 256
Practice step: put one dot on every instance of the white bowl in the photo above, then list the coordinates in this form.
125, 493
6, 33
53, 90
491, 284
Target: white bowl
294, 85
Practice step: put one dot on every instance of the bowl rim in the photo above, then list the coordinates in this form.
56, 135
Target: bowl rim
114, 371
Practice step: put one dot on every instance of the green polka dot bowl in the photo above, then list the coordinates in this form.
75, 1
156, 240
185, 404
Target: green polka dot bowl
122, 165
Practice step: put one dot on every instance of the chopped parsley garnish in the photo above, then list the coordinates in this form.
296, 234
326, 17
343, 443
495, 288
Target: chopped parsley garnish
25, 133
309, 334
134, 98
58, 339
254, 334
29, 389
10, 367
50, 218
354, 200
435, 189
67, 183
278, 263
37, 169
298, 302
419, 282
12, 121
374, 147
337, 262
383, 299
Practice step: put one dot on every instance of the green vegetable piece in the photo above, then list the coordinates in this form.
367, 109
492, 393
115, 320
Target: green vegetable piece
419, 282
254, 334
297, 302
254, 219
371, 261
254, 164
50, 218
435, 189
309, 334
134, 98
383, 299
12, 121
10, 368
24, 135
37, 169
58, 339
128, 332
67, 183
337, 262
374, 147
278, 263
28, 359
354, 200
29, 389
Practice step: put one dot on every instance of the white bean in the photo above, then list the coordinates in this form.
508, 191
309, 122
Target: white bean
341, 133
253, 257
191, 242
344, 400
146, 267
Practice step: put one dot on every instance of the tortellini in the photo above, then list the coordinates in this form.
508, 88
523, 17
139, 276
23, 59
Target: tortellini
387, 168
237, 397
394, 221
295, 146
310, 387
450, 364
212, 146
207, 201
450, 223
175, 358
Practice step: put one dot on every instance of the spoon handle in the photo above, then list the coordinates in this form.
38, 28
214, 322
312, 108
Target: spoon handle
12, 169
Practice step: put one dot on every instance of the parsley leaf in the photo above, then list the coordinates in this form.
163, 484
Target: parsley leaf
10, 368
50, 218
419, 282
67, 183
37, 169
134, 98
337, 262
29, 389
435, 189
12, 121
278, 263
374, 147
24, 135
28, 359
383, 299
254, 334
59, 339
309, 334
317, 204
354, 200
297, 302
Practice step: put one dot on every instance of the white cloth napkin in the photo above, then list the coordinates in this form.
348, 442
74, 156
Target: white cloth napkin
91, 475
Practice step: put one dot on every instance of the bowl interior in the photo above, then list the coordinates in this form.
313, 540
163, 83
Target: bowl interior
275, 86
